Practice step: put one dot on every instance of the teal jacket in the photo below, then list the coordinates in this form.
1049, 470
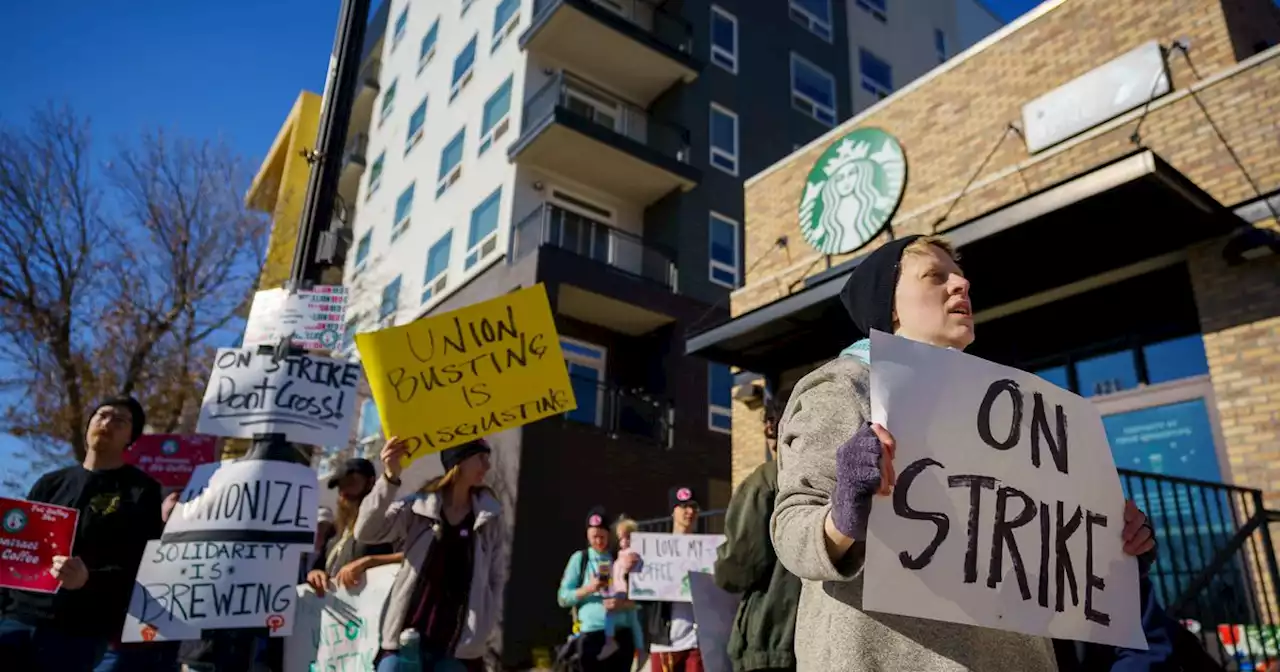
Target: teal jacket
591, 611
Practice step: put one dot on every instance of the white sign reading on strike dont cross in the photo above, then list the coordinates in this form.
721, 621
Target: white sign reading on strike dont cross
307, 398
1007, 512
668, 559
249, 500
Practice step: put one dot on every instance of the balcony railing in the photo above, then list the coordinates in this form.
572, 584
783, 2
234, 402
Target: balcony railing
568, 93
550, 224
357, 150
621, 411
666, 28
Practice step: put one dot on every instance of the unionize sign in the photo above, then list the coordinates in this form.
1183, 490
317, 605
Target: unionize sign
250, 500
1007, 511
31, 533
309, 399
170, 458
852, 191
312, 318
468, 373
668, 560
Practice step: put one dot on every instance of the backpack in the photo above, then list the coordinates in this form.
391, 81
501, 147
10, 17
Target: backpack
568, 656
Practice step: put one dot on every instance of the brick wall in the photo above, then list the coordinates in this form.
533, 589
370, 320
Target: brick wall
949, 122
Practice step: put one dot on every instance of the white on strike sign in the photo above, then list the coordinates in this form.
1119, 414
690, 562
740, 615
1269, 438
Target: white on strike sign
307, 398
1007, 512
668, 559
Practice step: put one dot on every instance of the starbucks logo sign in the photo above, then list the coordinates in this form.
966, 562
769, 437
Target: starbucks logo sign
852, 191
15, 520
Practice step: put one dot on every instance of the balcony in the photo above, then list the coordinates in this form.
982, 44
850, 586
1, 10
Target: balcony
582, 133
639, 49
366, 94
620, 411
552, 225
354, 161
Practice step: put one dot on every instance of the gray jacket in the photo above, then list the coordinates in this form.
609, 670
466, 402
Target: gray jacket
832, 631
385, 518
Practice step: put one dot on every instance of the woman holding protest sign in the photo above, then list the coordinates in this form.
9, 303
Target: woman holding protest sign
832, 462
449, 588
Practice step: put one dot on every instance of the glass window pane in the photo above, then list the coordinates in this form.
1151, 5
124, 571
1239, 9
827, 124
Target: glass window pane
720, 381
496, 107
1056, 375
722, 421
1106, 374
429, 40
814, 83
506, 9
370, 424
419, 115
438, 257
376, 170
722, 32
464, 61
362, 249
1176, 359
404, 204
820, 9
484, 219
724, 276
723, 135
724, 246
875, 69
452, 154
390, 298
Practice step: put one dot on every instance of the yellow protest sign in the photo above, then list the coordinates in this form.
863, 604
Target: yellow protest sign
475, 371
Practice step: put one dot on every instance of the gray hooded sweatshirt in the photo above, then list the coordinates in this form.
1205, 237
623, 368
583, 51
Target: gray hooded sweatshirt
833, 633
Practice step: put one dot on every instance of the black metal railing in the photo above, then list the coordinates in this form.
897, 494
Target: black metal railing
552, 225
570, 94
1216, 569
709, 522
665, 27
357, 150
621, 410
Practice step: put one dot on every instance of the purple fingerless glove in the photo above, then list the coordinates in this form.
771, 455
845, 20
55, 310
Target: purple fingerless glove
857, 480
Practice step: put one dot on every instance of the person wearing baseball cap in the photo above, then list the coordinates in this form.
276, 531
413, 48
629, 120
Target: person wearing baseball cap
119, 512
671, 628
343, 559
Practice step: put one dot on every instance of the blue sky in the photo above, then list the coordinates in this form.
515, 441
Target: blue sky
228, 69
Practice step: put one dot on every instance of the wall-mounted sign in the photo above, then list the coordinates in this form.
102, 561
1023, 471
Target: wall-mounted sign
852, 191
1105, 92
312, 318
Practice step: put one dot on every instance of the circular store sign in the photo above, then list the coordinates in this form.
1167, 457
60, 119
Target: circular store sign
852, 191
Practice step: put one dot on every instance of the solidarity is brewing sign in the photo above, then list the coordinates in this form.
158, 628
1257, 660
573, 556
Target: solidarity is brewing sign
1007, 512
307, 398
465, 374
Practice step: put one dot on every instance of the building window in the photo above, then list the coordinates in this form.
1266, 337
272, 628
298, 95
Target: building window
876, 8
815, 15
586, 364
370, 423
482, 239
1056, 375
390, 303
402, 22
388, 102
451, 163
1175, 359
466, 4
437, 276
1107, 374
877, 76
404, 208
724, 39
375, 173
813, 90
505, 19
415, 126
723, 235
940, 44
463, 67
428, 46
494, 121
724, 139
719, 397
349, 332
362, 250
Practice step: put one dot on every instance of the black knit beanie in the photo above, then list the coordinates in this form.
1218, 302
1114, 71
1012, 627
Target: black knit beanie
452, 457
868, 293
135, 412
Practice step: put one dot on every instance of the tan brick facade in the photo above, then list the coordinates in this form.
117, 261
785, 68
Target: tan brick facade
949, 121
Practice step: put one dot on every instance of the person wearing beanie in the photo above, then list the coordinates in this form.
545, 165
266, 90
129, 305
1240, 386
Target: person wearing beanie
119, 511
343, 559
672, 629
833, 463
585, 591
449, 587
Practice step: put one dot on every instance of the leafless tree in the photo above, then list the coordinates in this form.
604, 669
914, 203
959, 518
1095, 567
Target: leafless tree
117, 278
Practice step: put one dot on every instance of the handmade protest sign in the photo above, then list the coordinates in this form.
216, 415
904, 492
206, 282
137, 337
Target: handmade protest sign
31, 533
309, 399
668, 559
1007, 512
339, 632
714, 610
170, 458
465, 374
312, 318
250, 500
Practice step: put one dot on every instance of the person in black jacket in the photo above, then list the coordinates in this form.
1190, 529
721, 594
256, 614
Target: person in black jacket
119, 507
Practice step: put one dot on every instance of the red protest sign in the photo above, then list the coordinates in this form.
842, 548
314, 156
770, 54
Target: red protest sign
32, 533
170, 458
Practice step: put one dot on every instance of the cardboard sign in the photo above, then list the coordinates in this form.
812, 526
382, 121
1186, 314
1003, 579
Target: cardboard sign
714, 610
31, 533
170, 458
456, 377
313, 318
668, 560
307, 398
249, 500
341, 631
1007, 512
185, 587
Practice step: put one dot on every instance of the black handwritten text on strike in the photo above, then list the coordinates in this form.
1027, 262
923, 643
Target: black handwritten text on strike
312, 394
1039, 424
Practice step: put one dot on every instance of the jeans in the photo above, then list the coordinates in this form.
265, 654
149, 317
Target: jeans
26, 647
390, 662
